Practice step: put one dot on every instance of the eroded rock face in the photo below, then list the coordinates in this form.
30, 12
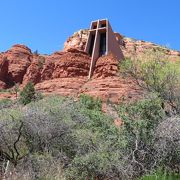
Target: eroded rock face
106, 66
73, 63
2, 85
66, 72
19, 58
13, 65
4, 64
33, 72
77, 41
62, 86
129, 46
112, 88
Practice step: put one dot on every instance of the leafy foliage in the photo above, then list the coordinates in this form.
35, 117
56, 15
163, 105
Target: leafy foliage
90, 103
27, 94
64, 138
4, 103
160, 175
141, 118
157, 74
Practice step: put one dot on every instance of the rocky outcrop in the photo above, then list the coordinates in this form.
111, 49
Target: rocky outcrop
33, 72
73, 63
112, 88
77, 41
66, 72
106, 66
13, 65
2, 85
129, 46
62, 86
4, 63
19, 58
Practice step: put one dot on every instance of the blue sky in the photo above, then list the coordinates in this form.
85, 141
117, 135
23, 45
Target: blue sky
44, 25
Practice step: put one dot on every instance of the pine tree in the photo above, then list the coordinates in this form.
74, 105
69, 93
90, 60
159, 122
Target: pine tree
28, 93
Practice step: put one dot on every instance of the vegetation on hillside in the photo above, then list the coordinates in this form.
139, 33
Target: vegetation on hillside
29, 94
65, 138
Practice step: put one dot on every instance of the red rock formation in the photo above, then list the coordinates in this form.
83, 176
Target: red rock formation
19, 58
129, 46
77, 41
72, 64
47, 70
65, 73
106, 66
33, 72
62, 86
112, 88
2, 85
4, 63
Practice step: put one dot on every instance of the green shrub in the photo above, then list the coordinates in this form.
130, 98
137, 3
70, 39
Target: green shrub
142, 116
167, 144
68, 139
13, 147
28, 94
90, 102
160, 175
157, 74
5, 103
140, 121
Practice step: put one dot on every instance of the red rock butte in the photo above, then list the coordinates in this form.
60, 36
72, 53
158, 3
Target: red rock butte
66, 72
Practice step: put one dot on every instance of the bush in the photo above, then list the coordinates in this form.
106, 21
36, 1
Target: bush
13, 147
90, 102
29, 94
48, 130
157, 74
140, 118
140, 121
62, 138
152, 139
167, 144
5, 103
160, 175
37, 166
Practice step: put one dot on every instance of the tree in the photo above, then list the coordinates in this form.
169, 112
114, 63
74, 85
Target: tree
12, 145
27, 94
155, 73
167, 143
140, 121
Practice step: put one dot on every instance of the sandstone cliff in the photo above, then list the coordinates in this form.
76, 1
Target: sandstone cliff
65, 72
128, 45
